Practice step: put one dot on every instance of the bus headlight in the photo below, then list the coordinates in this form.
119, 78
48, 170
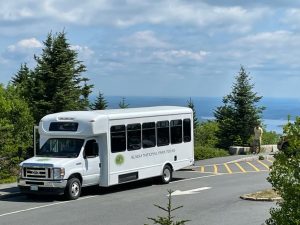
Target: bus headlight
58, 173
20, 171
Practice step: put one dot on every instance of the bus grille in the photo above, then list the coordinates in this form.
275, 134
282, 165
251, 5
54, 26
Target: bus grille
37, 173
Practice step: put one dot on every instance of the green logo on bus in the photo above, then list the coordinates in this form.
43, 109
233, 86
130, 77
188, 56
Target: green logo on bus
119, 159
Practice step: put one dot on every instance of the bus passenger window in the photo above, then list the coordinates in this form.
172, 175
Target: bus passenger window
176, 131
134, 136
118, 138
187, 130
163, 134
148, 134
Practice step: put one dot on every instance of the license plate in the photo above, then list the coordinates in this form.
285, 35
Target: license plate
34, 188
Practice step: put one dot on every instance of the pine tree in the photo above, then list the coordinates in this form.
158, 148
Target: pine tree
239, 114
192, 106
22, 80
123, 104
100, 103
57, 84
23, 75
169, 219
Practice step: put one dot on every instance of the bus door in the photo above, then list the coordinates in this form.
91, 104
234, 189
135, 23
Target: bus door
91, 163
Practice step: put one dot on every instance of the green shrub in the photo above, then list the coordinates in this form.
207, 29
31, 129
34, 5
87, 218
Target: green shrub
16, 124
285, 179
205, 134
202, 152
270, 138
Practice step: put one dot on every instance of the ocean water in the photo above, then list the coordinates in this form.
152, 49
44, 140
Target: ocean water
274, 117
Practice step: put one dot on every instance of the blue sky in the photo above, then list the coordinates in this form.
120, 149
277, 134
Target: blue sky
162, 48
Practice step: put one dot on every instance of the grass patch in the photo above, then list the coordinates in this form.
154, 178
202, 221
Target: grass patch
8, 180
264, 195
209, 152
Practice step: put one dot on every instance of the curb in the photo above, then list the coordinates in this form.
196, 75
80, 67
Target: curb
245, 197
251, 158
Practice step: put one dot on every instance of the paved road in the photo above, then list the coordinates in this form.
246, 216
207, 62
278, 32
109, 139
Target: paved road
131, 204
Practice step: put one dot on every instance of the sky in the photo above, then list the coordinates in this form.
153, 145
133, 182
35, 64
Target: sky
162, 48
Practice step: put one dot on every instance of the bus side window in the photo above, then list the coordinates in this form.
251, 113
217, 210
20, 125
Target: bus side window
163, 133
148, 135
187, 130
176, 131
134, 136
118, 138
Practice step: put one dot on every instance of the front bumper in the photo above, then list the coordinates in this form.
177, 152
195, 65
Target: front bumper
42, 187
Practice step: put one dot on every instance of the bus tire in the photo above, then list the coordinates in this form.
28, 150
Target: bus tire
73, 189
166, 176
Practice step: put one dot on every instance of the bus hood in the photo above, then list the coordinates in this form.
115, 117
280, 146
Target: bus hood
47, 162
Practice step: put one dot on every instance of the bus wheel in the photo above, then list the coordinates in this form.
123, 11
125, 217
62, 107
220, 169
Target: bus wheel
166, 176
73, 189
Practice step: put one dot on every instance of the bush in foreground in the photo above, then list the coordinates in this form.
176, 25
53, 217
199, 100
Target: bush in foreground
285, 179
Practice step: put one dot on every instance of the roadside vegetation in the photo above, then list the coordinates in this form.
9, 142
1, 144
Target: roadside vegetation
285, 179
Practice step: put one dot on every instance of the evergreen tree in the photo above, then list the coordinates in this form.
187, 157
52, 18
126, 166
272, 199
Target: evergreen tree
123, 104
22, 76
239, 114
100, 103
192, 106
57, 84
169, 219
22, 80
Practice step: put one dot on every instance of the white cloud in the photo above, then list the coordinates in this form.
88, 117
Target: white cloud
85, 53
31, 43
174, 55
269, 39
265, 50
144, 39
130, 13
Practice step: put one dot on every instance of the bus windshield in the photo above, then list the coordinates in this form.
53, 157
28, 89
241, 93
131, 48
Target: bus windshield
61, 147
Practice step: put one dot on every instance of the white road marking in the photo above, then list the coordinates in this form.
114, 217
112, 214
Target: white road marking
196, 178
190, 192
44, 206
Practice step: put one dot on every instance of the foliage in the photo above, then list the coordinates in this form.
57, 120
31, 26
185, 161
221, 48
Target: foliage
15, 130
204, 152
206, 141
270, 138
239, 114
192, 106
205, 133
168, 220
123, 104
285, 179
56, 83
100, 103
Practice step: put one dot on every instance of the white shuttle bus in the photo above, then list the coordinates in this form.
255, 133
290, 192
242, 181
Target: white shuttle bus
108, 147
